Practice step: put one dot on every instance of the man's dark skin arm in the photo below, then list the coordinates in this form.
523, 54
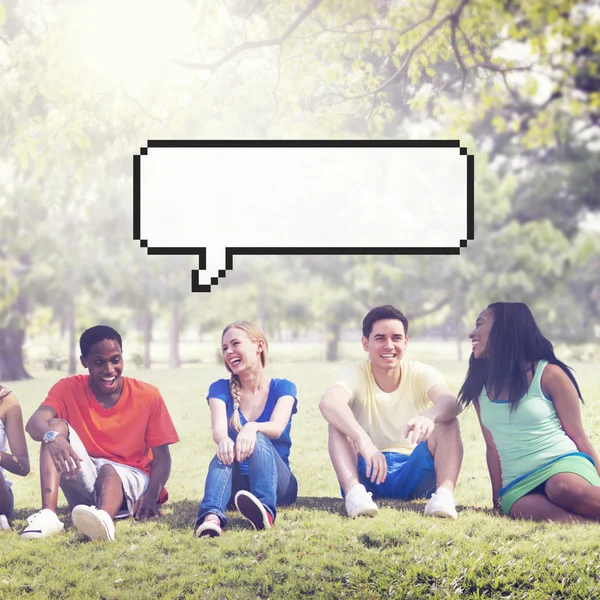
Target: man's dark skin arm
146, 506
63, 456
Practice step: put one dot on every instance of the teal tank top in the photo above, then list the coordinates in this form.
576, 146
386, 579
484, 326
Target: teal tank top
530, 437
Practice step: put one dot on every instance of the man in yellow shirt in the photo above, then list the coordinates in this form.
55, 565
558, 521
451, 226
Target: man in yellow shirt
393, 431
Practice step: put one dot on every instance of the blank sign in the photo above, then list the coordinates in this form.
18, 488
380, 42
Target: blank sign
218, 199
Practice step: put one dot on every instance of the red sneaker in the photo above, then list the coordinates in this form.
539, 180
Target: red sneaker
251, 507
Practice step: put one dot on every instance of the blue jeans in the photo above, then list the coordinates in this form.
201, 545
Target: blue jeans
269, 479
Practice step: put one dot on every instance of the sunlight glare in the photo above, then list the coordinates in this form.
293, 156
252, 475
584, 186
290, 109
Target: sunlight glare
124, 42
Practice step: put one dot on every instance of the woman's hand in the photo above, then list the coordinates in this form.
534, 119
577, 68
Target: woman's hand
246, 439
226, 451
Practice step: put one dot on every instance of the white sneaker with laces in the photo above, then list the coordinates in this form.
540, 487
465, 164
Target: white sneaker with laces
4, 524
94, 523
359, 502
43, 523
441, 504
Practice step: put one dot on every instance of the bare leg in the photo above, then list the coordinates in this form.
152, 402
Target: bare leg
109, 490
5, 500
344, 459
446, 448
575, 494
537, 507
49, 476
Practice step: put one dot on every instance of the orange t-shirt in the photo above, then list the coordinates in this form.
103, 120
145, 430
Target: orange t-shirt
123, 433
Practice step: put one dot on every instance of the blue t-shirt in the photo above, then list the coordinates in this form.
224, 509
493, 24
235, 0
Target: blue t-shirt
277, 388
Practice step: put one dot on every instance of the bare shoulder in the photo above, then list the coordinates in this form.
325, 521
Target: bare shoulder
7, 399
556, 383
553, 374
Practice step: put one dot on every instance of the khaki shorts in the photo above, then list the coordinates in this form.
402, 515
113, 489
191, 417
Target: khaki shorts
81, 489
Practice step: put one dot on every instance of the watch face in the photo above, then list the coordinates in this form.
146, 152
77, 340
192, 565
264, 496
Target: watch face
50, 436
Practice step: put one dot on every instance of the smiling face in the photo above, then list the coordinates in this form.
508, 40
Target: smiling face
104, 362
480, 335
240, 352
386, 344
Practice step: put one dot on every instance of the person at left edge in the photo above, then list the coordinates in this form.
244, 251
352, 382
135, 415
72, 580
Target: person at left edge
105, 442
16, 461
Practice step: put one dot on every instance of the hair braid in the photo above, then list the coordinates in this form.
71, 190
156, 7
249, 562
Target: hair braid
235, 387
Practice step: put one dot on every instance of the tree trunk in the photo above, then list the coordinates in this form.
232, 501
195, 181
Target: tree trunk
71, 337
174, 360
147, 323
12, 338
459, 355
458, 333
262, 307
333, 333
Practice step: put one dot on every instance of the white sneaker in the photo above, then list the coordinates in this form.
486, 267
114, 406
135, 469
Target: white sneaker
94, 523
43, 523
209, 528
4, 524
360, 503
441, 504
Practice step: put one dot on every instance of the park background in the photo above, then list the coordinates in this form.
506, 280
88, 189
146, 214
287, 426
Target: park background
85, 84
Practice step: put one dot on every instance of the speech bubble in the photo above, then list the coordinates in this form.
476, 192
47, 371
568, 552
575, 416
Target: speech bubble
218, 199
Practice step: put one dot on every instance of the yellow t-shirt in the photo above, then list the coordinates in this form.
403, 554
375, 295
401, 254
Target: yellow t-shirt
384, 415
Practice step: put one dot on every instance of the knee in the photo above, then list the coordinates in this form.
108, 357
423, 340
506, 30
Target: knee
262, 444
447, 429
106, 472
560, 491
446, 434
215, 463
335, 434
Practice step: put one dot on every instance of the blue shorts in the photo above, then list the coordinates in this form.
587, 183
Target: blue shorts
409, 476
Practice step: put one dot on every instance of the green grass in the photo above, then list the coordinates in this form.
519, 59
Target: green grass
314, 550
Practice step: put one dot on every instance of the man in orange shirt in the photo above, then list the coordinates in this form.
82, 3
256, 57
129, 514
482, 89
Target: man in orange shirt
105, 442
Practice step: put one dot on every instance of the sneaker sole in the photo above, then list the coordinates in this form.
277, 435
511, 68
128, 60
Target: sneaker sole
367, 512
252, 512
208, 532
441, 514
91, 526
36, 534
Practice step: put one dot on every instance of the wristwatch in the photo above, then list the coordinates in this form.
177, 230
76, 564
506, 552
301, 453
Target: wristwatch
50, 436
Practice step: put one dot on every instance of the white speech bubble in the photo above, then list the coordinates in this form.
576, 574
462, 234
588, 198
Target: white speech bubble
217, 199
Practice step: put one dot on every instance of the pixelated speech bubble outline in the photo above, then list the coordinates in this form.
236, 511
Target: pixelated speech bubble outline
309, 250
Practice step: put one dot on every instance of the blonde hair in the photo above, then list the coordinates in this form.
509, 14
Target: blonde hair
254, 333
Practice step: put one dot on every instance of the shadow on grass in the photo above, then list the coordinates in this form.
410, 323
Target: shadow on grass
181, 515
336, 505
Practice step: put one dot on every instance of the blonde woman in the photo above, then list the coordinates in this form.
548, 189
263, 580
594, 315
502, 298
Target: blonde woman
12, 435
251, 417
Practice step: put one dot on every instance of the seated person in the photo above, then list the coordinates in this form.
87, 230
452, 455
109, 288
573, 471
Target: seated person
393, 431
96, 432
251, 416
12, 436
542, 464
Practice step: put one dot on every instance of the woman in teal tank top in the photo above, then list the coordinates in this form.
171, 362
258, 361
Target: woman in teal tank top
542, 465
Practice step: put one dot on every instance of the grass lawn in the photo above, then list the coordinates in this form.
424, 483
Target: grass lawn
314, 550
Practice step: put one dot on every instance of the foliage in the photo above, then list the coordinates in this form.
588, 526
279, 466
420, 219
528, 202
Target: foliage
518, 82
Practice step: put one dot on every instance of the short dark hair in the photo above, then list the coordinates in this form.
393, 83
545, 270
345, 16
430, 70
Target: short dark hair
96, 334
379, 313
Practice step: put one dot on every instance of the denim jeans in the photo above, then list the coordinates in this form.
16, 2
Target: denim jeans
269, 479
